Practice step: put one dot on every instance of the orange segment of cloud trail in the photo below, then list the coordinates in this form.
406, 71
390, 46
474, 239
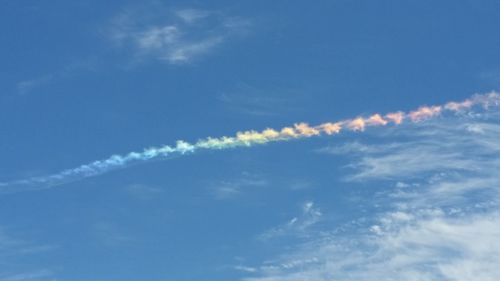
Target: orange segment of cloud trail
304, 130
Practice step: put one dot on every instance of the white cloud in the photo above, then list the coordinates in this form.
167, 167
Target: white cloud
40, 275
439, 218
110, 234
491, 78
262, 100
192, 15
186, 51
143, 192
14, 252
16, 247
245, 268
175, 36
229, 189
296, 226
440, 146
158, 37
29, 85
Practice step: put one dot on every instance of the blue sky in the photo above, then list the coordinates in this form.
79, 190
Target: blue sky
85, 80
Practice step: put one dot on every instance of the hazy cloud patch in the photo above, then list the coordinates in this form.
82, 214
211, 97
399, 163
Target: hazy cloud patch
176, 36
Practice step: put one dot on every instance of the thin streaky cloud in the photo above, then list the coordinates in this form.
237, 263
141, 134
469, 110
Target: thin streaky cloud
143, 191
232, 188
15, 247
15, 251
491, 77
38, 275
192, 15
188, 50
260, 101
298, 225
110, 234
28, 86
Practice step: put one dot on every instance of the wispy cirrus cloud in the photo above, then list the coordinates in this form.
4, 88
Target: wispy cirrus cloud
232, 188
192, 15
14, 252
260, 101
298, 225
15, 247
26, 86
427, 148
143, 191
437, 219
490, 78
175, 36
39, 275
29, 85
110, 234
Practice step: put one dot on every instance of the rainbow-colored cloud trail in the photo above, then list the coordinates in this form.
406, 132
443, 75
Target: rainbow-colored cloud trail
250, 138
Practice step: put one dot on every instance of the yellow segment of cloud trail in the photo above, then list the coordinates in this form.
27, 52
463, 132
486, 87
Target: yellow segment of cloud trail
250, 138
304, 130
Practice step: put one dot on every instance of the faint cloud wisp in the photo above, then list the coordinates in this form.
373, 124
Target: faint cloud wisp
15, 255
174, 36
298, 225
229, 189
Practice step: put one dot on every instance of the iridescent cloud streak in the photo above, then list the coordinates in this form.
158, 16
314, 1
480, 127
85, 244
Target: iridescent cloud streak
249, 138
